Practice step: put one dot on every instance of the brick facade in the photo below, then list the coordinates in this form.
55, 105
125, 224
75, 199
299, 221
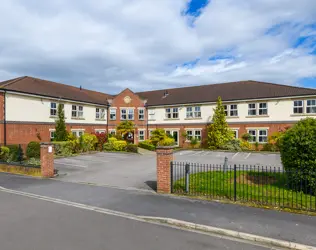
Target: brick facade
47, 160
164, 158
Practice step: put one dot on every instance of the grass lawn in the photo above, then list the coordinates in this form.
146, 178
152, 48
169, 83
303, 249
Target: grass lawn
271, 189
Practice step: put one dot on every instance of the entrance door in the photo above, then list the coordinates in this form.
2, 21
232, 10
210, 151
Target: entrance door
174, 134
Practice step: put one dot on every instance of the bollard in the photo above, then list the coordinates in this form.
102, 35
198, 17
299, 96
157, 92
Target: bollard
187, 177
225, 164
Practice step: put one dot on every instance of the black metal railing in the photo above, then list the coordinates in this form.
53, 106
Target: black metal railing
262, 185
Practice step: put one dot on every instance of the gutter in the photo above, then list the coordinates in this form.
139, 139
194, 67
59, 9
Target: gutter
4, 120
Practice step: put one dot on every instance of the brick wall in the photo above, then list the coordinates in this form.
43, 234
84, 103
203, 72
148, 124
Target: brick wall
164, 158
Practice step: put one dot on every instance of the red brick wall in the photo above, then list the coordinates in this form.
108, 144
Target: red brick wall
1, 117
164, 157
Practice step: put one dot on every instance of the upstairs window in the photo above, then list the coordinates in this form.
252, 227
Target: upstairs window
263, 108
226, 110
233, 110
141, 114
53, 109
127, 114
77, 111
131, 114
298, 107
172, 113
311, 107
194, 112
100, 113
123, 114
112, 114
252, 110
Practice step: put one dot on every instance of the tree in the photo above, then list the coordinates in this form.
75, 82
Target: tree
60, 125
125, 127
218, 132
298, 155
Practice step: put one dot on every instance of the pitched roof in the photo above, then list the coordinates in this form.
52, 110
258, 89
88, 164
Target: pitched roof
242, 90
31, 85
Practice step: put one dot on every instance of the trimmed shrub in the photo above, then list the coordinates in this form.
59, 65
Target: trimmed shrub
233, 145
246, 137
157, 135
270, 147
298, 155
167, 141
246, 145
108, 146
33, 150
64, 148
5, 153
16, 153
88, 142
119, 145
101, 137
194, 142
147, 145
33, 162
132, 148
112, 140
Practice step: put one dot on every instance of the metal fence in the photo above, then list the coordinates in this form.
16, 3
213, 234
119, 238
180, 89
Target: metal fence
262, 185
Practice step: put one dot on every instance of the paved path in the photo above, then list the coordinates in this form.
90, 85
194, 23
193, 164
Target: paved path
27, 223
274, 224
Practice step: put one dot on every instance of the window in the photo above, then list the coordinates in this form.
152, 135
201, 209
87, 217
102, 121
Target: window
130, 114
253, 135
123, 114
151, 114
194, 112
77, 133
100, 131
263, 135
77, 111
226, 110
172, 113
252, 110
141, 135
235, 132
233, 110
311, 107
150, 133
298, 107
52, 134
100, 113
141, 114
263, 108
194, 133
112, 114
112, 132
53, 109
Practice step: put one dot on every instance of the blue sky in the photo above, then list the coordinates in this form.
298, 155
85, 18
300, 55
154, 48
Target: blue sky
140, 44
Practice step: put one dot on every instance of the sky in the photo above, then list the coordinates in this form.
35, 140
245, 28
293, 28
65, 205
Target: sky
153, 44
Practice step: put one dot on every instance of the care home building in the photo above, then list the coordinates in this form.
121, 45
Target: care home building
28, 109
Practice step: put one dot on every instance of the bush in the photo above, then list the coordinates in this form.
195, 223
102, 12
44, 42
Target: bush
119, 145
132, 148
16, 153
233, 145
34, 162
270, 147
194, 142
147, 145
101, 137
157, 136
33, 150
246, 145
4, 153
64, 148
298, 155
167, 141
108, 146
246, 137
88, 142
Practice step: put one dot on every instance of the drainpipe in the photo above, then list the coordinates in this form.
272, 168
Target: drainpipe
107, 119
4, 121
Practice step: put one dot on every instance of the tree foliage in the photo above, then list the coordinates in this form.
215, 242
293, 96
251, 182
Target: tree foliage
160, 138
298, 154
125, 127
218, 132
60, 125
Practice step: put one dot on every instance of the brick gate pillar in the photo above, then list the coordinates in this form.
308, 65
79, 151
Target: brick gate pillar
164, 157
47, 160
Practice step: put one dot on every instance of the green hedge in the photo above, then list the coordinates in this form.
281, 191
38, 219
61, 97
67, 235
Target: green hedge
64, 148
5, 153
33, 150
147, 145
16, 153
132, 148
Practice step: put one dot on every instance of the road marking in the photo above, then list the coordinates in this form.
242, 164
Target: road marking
73, 165
173, 223
235, 155
197, 153
247, 156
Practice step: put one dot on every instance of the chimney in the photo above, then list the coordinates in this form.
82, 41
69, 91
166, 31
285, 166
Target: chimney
165, 94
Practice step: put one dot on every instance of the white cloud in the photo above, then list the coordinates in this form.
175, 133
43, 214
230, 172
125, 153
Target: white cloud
109, 45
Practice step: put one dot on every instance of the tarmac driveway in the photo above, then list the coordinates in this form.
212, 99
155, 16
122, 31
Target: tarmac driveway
126, 170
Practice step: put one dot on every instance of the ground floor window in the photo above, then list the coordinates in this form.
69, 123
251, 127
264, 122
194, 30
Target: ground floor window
100, 131
141, 135
77, 132
52, 134
194, 134
235, 133
258, 135
112, 132
253, 135
263, 135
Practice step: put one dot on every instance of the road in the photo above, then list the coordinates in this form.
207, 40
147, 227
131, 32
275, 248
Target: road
28, 223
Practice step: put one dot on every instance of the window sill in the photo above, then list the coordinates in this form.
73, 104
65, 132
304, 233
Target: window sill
54, 117
151, 120
171, 119
77, 118
232, 117
256, 116
127, 120
197, 118
303, 114
100, 119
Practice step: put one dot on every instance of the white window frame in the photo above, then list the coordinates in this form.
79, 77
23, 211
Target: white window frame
172, 112
100, 113
236, 133
77, 132
233, 112
78, 111
193, 112
123, 115
262, 136
252, 109
262, 109
226, 110
141, 114
112, 114
100, 131
141, 135
151, 114
112, 131
53, 109
253, 136
311, 106
130, 114
193, 133
52, 134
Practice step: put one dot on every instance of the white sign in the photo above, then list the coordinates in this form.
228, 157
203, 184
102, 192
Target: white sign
50, 149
